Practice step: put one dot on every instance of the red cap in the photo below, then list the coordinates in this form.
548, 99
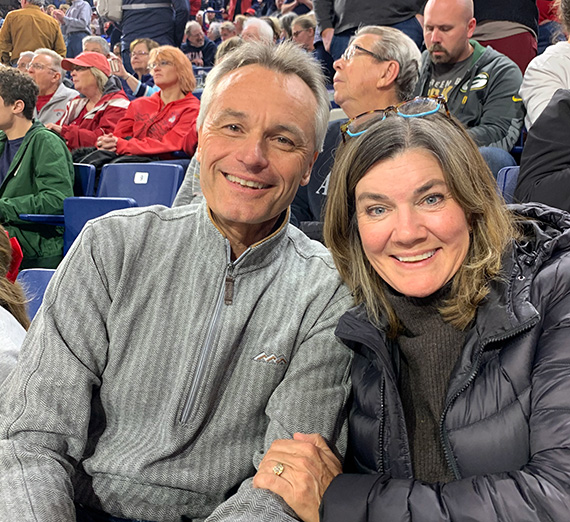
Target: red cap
250, 12
88, 59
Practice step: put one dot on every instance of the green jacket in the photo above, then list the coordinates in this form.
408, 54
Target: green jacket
39, 179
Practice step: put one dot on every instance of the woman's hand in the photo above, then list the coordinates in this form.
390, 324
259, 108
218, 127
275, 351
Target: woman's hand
107, 142
308, 468
117, 67
54, 127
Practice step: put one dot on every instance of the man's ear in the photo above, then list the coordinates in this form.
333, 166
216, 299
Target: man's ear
307, 175
390, 72
198, 153
471, 27
18, 107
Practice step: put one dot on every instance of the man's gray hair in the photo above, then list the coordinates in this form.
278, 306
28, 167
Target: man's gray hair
190, 25
264, 29
287, 59
215, 30
56, 60
101, 42
39, 3
393, 44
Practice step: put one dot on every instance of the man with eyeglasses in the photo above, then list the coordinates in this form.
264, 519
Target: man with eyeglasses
378, 69
480, 84
45, 69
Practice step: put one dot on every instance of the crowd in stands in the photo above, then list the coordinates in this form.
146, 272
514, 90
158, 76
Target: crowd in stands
451, 304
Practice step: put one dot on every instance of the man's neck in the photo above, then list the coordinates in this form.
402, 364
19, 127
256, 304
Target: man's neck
19, 128
50, 91
382, 100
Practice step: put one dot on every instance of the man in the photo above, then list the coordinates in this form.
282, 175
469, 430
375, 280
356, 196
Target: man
379, 69
36, 173
480, 85
162, 22
27, 29
227, 31
96, 44
75, 25
53, 96
186, 366
339, 19
24, 61
257, 29
200, 50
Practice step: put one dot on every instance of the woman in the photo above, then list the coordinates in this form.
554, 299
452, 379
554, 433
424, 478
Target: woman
166, 121
101, 105
14, 319
141, 83
461, 373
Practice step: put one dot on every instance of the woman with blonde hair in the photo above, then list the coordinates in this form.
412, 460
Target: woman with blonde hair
165, 122
14, 319
460, 335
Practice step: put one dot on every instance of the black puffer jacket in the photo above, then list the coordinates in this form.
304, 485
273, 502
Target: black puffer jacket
506, 423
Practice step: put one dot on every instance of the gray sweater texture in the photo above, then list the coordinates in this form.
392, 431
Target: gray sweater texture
150, 389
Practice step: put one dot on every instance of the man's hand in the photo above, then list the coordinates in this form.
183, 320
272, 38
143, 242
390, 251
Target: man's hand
58, 14
309, 466
327, 36
198, 62
54, 127
107, 142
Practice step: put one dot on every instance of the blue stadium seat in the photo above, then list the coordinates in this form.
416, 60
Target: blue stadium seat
507, 182
35, 281
84, 184
146, 183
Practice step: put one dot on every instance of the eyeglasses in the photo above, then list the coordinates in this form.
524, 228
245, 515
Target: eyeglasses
162, 63
139, 53
297, 33
416, 108
351, 51
39, 67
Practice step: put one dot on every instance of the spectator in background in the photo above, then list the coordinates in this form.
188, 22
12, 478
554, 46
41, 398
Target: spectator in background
303, 31
53, 96
548, 72
550, 30
27, 29
162, 22
214, 33
14, 319
227, 30
299, 7
101, 106
275, 26
36, 172
480, 84
140, 83
239, 22
226, 47
339, 19
509, 26
75, 25
286, 22
199, 49
166, 121
96, 44
24, 61
256, 29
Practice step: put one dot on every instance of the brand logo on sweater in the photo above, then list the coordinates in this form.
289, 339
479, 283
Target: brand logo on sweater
270, 358
479, 82
172, 119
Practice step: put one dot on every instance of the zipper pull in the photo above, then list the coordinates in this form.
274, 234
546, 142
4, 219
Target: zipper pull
229, 290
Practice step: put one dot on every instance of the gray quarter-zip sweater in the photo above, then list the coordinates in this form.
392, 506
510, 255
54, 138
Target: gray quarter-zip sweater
157, 372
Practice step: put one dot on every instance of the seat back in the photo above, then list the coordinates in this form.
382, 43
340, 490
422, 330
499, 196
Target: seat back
78, 211
34, 282
507, 182
84, 184
147, 183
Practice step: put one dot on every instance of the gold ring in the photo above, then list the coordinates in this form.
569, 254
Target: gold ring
278, 469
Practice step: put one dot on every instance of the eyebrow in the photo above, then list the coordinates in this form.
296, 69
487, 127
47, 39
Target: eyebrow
417, 192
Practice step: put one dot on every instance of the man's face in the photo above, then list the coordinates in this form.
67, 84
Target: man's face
355, 79
196, 37
226, 33
42, 73
256, 146
7, 116
448, 25
93, 47
303, 37
250, 33
23, 63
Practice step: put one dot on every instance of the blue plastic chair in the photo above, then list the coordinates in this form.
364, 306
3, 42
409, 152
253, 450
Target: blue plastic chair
78, 211
35, 281
84, 184
507, 182
146, 183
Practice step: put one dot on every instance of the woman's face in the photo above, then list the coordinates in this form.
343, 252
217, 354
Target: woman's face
164, 73
83, 80
139, 57
413, 233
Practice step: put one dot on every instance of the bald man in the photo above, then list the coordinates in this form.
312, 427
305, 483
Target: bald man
480, 84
